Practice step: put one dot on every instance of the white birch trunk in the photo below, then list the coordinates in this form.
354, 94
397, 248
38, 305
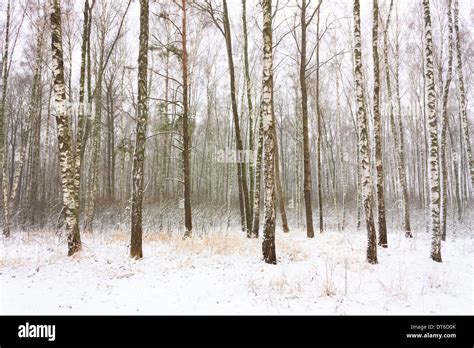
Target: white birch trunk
3, 146
433, 158
139, 154
268, 245
64, 132
462, 95
364, 146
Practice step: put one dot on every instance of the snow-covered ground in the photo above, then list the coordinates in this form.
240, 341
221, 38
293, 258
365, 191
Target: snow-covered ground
223, 274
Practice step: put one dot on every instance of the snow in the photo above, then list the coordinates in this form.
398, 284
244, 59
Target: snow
224, 274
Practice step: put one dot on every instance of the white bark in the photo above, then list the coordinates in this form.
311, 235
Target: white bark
364, 146
433, 138
462, 95
268, 245
3, 147
64, 131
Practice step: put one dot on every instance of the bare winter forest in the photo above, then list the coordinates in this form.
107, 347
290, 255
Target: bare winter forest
239, 157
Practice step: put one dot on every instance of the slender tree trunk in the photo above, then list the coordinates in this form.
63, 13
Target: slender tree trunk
400, 163
139, 154
3, 144
364, 148
444, 126
378, 131
80, 146
241, 171
93, 183
88, 110
341, 155
319, 120
47, 143
279, 189
268, 245
186, 142
462, 94
462, 161
35, 148
64, 132
258, 179
457, 188
433, 135
401, 147
248, 85
304, 102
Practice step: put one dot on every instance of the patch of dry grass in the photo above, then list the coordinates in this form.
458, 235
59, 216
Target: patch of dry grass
213, 244
278, 285
291, 250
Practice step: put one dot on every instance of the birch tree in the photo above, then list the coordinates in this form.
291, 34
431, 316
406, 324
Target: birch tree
444, 126
96, 126
278, 185
364, 148
307, 183
64, 132
402, 168
248, 89
268, 244
31, 186
3, 146
398, 148
186, 141
433, 137
83, 110
241, 171
258, 178
382, 224
462, 94
319, 128
139, 154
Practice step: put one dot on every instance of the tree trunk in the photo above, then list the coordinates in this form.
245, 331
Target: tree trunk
364, 148
186, 142
248, 85
304, 103
341, 154
462, 94
241, 171
83, 109
258, 179
401, 147
319, 120
400, 163
139, 154
35, 149
64, 132
3, 145
378, 131
279, 189
268, 244
433, 135
444, 126
93, 183
457, 189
